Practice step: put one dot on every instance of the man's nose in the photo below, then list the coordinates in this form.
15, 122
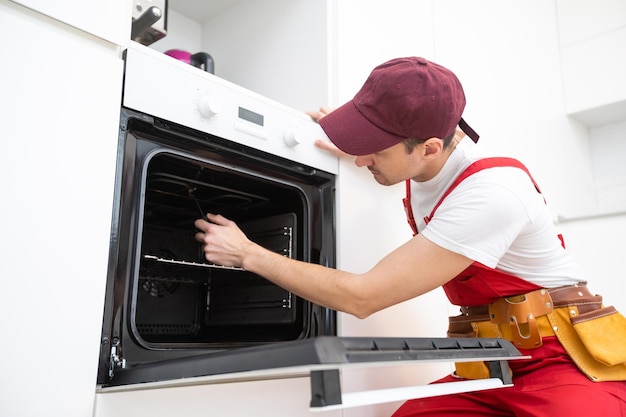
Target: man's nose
363, 160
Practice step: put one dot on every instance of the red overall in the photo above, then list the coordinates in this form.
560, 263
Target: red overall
549, 384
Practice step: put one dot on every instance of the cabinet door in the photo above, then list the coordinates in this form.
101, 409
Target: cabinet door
59, 107
107, 19
264, 398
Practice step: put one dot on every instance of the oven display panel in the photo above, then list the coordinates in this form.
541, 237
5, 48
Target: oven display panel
251, 116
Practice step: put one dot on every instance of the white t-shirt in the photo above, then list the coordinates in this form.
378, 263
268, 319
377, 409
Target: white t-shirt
495, 217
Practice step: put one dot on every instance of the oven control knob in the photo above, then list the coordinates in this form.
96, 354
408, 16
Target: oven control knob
209, 106
292, 137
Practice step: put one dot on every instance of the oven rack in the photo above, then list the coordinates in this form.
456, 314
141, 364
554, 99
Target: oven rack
189, 188
190, 263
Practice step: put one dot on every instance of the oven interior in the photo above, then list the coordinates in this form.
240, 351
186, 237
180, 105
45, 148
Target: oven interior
180, 297
163, 297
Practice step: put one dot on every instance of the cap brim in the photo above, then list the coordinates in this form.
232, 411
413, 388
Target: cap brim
354, 134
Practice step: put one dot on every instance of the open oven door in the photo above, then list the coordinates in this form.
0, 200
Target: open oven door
322, 358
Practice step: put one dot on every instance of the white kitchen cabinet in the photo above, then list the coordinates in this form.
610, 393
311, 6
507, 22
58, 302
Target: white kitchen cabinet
593, 80
107, 19
59, 106
592, 39
264, 398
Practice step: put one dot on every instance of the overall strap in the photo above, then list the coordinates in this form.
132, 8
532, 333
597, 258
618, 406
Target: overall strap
477, 167
470, 170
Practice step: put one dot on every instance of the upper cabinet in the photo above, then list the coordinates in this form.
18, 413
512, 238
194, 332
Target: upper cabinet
592, 38
107, 19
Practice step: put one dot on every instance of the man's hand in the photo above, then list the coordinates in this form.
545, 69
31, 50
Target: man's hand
223, 243
323, 144
317, 115
330, 147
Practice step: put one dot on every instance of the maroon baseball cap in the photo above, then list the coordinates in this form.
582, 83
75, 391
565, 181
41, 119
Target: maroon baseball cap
401, 99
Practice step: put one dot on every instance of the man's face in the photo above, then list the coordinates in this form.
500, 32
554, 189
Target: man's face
389, 166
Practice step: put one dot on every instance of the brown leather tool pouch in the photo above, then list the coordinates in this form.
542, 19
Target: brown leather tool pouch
603, 332
520, 313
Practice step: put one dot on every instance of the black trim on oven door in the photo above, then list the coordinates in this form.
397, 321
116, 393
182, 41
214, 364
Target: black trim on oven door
327, 353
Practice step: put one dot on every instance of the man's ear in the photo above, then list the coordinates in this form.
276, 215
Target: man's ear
433, 146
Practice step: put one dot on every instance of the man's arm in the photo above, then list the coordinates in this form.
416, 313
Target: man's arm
415, 268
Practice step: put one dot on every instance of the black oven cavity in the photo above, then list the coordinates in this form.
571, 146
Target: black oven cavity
164, 300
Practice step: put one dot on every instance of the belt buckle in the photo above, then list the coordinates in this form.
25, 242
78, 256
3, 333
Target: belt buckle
519, 312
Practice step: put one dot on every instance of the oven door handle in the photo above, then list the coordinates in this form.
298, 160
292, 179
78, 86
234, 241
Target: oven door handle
326, 392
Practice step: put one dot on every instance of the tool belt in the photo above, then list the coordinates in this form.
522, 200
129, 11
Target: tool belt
594, 336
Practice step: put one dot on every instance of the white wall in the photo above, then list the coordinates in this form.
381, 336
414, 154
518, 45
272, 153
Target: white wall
182, 33
274, 47
599, 243
608, 150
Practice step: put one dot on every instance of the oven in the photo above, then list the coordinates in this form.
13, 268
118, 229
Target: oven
198, 144
192, 143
